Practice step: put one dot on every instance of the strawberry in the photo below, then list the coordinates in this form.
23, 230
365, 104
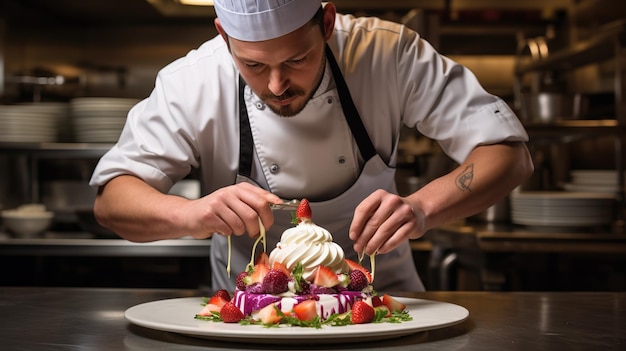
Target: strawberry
223, 294
355, 266
303, 212
281, 267
231, 313
260, 270
325, 277
362, 312
275, 282
358, 281
393, 304
262, 258
240, 282
208, 309
305, 310
268, 314
218, 301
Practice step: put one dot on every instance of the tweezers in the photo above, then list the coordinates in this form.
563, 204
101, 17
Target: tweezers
290, 205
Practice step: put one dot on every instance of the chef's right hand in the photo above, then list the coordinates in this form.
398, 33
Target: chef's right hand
234, 209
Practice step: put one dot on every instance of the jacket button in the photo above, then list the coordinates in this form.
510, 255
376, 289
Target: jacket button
342, 160
329, 100
274, 168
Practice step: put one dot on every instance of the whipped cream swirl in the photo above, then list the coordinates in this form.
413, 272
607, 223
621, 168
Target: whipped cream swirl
312, 246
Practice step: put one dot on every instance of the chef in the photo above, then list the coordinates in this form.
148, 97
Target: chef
292, 100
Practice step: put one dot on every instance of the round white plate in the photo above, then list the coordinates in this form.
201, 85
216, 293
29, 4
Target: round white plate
177, 316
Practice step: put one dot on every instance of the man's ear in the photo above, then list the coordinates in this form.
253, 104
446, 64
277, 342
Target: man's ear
330, 12
220, 30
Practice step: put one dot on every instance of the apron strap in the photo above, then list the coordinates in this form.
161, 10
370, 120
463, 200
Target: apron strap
245, 134
366, 147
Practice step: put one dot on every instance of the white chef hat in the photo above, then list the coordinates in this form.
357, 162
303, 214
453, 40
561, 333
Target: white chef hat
258, 20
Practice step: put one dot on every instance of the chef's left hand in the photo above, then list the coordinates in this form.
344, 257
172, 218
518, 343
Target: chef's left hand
383, 221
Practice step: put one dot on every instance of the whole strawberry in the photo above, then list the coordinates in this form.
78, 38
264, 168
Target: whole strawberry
275, 282
240, 282
303, 212
362, 313
358, 281
231, 313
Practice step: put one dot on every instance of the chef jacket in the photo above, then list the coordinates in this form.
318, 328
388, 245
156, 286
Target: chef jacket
190, 120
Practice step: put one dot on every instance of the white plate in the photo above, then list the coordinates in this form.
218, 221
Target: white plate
177, 316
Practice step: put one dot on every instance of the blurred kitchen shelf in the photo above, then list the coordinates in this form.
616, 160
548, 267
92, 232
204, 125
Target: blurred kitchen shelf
54, 150
605, 45
104, 247
571, 130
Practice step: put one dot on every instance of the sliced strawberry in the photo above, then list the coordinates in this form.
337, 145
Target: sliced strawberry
355, 266
393, 304
208, 309
305, 310
223, 294
303, 212
325, 277
260, 271
218, 301
268, 314
281, 267
362, 312
231, 313
262, 258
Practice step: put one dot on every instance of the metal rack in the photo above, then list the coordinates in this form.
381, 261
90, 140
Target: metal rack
608, 44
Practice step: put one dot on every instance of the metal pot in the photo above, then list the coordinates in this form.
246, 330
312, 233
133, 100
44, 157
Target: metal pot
548, 107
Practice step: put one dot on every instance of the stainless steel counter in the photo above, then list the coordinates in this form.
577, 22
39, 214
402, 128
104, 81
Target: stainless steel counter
93, 319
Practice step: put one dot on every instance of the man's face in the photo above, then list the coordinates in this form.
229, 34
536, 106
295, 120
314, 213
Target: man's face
284, 72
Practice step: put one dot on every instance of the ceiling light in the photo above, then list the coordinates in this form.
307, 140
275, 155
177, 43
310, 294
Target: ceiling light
197, 2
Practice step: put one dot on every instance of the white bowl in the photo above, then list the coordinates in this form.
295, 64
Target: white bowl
27, 224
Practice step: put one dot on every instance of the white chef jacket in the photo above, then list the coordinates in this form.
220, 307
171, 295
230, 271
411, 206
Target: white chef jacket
190, 120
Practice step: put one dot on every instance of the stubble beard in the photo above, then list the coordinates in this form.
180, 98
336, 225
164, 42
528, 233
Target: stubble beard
291, 109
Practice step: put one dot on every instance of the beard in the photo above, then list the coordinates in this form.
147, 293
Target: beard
298, 105
287, 110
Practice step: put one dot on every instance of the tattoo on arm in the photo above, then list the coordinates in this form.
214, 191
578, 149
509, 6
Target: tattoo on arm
464, 180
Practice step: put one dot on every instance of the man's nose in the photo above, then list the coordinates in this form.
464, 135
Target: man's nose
278, 82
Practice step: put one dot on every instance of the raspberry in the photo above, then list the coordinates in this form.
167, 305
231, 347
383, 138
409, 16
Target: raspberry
275, 282
358, 281
240, 282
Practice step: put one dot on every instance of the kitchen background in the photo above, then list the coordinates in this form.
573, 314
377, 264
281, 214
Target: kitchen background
59, 53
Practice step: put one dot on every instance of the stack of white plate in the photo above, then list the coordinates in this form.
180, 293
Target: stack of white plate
31, 123
562, 209
99, 120
601, 181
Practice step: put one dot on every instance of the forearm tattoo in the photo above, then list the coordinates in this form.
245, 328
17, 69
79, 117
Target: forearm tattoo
464, 180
